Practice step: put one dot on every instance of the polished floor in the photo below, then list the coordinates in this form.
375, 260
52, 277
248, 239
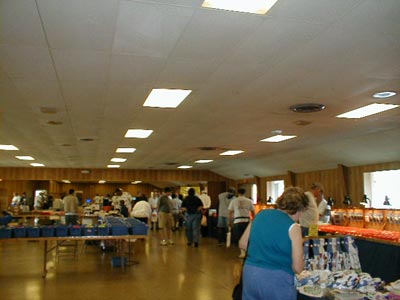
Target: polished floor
174, 272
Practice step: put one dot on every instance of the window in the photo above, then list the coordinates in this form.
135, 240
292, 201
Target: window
254, 193
275, 189
382, 189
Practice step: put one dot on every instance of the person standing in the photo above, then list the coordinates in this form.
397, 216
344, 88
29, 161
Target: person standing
240, 210
192, 205
205, 198
153, 201
71, 208
223, 213
275, 250
165, 217
310, 216
142, 211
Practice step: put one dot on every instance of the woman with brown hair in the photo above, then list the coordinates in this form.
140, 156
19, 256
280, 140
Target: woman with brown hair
275, 251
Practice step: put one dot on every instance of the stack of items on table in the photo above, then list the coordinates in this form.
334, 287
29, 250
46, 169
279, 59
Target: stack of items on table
346, 284
111, 226
332, 268
386, 235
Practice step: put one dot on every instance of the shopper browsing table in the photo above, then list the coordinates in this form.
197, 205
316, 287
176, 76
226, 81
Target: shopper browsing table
275, 250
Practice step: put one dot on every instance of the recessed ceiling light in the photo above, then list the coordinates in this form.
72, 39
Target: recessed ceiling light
166, 98
231, 152
66, 181
117, 159
25, 157
250, 6
8, 147
138, 133
278, 138
368, 110
185, 167
102, 181
37, 165
203, 161
136, 182
125, 150
381, 95
113, 166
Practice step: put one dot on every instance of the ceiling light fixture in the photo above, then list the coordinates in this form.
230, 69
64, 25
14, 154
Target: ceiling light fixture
250, 6
66, 181
136, 182
113, 166
185, 167
8, 147
117, 159
125, 150
381, 95
166, 98
278, 138
203, 161
25, 157
368, 110
231, 152
138, 133
37, 165
102, 181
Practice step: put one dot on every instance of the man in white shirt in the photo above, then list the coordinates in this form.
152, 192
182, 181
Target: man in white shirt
206, 199
310, 216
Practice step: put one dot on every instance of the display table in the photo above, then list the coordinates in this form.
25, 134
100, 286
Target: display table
120, 240
378, 250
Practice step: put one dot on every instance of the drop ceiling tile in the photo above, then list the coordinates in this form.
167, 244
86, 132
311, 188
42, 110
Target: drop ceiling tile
214, 34
148, 29
77, 24
40, 93
81, 65
20, 24
27, 62
136, 69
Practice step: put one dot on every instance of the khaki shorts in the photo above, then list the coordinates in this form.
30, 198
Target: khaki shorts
165, 220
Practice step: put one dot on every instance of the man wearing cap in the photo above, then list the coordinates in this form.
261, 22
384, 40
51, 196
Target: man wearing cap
223, 213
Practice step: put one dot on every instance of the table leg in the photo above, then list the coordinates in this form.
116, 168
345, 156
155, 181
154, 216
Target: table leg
44, 260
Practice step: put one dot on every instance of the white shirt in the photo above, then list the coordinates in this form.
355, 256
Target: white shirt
142, 209
310, 215
241, 207
206, 200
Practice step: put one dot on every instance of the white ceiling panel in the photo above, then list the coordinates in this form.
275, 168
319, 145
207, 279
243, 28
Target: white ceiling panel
81, 65
147, 29
96, 61
137, 70
20, 24
27, 63
76, 24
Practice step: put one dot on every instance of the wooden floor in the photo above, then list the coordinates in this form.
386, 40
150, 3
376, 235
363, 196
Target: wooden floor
172, 272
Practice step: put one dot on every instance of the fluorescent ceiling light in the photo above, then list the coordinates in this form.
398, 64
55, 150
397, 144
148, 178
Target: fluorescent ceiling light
278, 138
203, 161
125, 150
102, 181
8, 147
166, 98
136, 182
368, 110
37, 165
231, 152
138, 133
250, 6
25, 157
185, 167
381, 95
66, 181
117, 159
113, 166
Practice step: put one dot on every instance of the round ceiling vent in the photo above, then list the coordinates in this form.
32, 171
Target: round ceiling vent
86, 140
208, 148
307, 107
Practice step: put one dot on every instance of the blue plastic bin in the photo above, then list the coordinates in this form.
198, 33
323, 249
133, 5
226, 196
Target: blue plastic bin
75, 230
103, 231
19, 232
47, 231
5, 233
33, 232
61, 231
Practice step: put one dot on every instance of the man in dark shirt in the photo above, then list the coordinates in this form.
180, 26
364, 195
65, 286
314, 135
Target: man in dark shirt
192, 205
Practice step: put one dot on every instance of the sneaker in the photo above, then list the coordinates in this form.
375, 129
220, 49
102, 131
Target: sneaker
171, 242
164, 243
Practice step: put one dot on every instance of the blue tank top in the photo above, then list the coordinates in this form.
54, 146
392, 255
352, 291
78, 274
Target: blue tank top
270, 246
